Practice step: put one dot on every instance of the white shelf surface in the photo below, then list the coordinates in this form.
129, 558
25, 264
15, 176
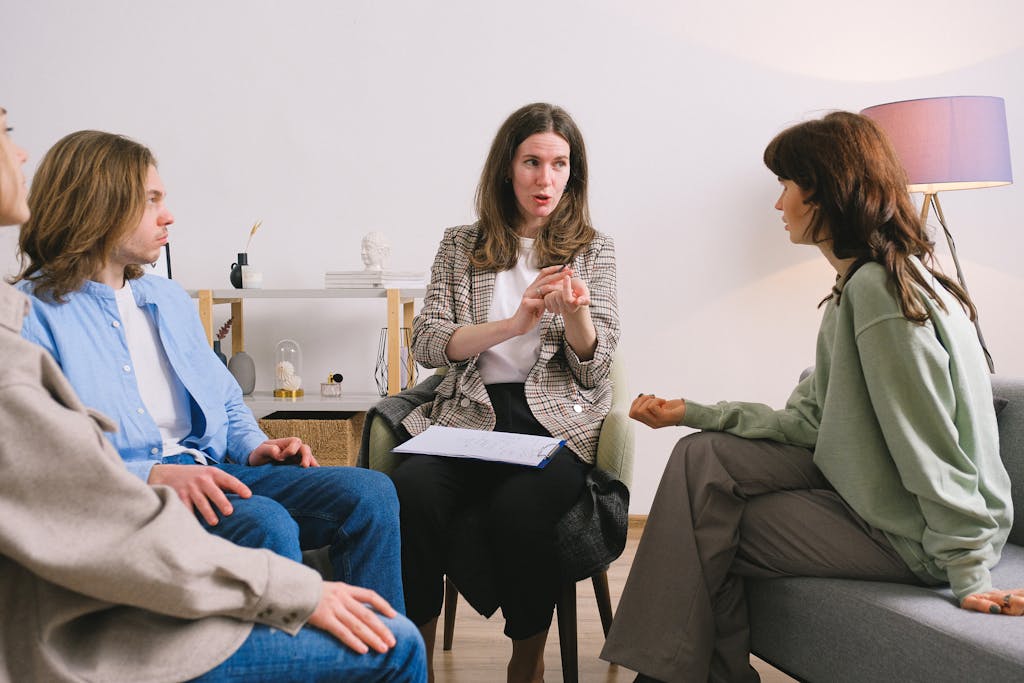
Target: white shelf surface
347, 293
262, 403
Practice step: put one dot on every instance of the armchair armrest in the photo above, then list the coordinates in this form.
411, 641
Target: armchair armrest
616, 443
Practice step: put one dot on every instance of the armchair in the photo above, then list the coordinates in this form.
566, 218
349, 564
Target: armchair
591, 535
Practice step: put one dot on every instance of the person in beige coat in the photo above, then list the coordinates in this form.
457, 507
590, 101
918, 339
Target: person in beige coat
103, 578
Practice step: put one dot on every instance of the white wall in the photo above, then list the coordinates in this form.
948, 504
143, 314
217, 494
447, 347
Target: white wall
329, 119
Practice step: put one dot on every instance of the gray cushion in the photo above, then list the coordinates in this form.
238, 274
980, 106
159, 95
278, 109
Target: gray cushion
1011, 444
845, 630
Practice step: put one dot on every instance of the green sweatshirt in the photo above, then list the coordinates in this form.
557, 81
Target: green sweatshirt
901, 421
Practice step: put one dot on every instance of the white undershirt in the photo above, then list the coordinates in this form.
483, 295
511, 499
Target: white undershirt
163, 394
512, 359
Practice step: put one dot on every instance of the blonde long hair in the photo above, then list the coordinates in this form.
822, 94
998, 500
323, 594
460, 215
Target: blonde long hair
88, 193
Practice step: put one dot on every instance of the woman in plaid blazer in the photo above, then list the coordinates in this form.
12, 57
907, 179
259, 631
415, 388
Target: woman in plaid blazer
522, 310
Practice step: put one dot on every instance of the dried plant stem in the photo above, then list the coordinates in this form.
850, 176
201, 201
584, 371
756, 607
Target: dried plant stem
255, 227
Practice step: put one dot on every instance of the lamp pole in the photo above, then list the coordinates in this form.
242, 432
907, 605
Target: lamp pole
932, 199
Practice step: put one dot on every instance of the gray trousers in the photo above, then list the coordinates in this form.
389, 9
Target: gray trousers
728, 508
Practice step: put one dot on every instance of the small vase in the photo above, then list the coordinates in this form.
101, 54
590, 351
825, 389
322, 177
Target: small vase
243, 368
236, 269
220, 354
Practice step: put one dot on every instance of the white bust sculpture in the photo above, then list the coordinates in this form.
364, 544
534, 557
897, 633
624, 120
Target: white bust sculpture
375, 251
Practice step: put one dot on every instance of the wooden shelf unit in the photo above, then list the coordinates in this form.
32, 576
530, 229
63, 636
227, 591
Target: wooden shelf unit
400, 304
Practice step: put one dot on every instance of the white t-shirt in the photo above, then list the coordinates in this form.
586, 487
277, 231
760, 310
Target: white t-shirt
163, 394
512, 359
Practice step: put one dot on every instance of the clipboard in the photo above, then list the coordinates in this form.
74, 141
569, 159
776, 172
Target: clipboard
477, 444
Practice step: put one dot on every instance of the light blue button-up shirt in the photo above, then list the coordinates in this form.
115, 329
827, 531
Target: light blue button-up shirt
86, 337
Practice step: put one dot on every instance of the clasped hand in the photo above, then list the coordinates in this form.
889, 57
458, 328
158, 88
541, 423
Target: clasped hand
555, 290
289, 450
657, 412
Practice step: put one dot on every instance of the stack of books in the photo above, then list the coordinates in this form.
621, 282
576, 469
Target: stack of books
374, 279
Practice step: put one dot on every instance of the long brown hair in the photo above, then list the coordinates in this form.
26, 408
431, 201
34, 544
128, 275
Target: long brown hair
567, 229
858, 188
88, 193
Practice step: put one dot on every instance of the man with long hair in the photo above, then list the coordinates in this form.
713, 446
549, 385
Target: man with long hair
104, 578
133, 348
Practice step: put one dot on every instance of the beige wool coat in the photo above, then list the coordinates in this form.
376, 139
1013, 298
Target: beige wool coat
569, 397
103, 578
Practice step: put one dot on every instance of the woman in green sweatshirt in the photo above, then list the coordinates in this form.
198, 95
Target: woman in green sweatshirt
884, 464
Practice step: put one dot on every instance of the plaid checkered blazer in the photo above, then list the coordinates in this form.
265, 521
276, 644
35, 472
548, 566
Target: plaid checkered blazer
569, 397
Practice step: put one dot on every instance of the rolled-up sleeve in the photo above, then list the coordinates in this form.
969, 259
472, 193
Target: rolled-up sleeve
434, 326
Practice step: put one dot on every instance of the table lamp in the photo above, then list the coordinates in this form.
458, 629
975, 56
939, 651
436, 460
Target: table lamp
948, 143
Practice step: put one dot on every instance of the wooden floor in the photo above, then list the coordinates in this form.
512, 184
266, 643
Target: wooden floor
480, 651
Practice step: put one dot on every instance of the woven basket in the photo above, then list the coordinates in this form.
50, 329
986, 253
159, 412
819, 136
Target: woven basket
333, 441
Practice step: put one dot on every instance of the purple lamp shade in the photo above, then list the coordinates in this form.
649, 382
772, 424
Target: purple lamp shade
948, 143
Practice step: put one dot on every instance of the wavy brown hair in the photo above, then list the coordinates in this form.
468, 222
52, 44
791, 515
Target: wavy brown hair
87, 195
854, 180
568, 228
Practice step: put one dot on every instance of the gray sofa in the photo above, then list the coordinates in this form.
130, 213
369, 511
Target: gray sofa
834, 630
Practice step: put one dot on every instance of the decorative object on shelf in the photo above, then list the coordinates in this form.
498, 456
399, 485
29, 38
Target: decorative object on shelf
949, 143
375, 251
243, 368
374, 279
236, 269
224, 329
251, 278
221, 333
252, 231
288, 369
407, 374
217, 351
332, 387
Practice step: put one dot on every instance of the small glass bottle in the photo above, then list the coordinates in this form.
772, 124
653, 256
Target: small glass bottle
288, 369
332, 387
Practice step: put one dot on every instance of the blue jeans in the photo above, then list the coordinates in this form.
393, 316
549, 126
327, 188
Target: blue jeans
353, 511
313, 655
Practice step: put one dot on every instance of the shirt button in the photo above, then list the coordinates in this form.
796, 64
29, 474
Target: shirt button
577, 408
126, 368
154, 451
140, 411
116, 324
464, 403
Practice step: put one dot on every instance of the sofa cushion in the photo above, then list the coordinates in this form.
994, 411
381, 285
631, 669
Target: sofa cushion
846, 630
1011, 444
